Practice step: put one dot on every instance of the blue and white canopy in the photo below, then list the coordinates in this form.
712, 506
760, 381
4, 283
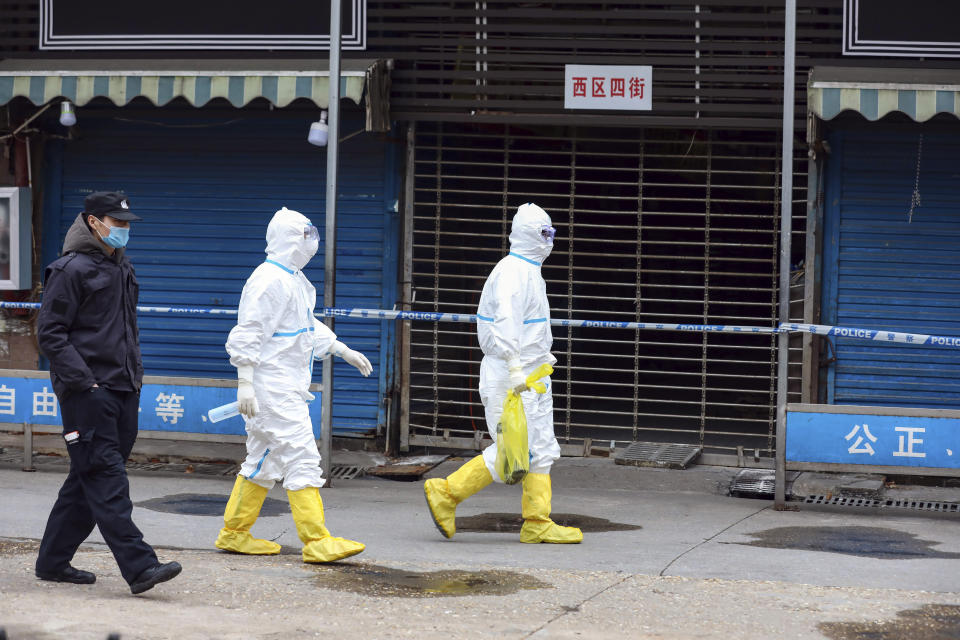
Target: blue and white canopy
874, 92
160, 81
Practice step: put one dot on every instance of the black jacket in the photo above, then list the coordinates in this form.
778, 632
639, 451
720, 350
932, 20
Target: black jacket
87, 325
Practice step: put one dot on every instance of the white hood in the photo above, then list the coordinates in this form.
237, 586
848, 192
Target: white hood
525, 237
285, 239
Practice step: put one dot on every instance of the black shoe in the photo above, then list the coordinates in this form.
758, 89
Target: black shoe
74, 576
149, 578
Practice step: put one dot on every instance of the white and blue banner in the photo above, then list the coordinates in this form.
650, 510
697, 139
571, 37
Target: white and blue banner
163, 407
871, 439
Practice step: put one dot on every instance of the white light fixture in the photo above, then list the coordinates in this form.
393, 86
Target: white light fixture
318, 131
68, 117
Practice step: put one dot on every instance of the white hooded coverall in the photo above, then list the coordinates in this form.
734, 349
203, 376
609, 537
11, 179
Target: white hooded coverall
278, 335
513, 327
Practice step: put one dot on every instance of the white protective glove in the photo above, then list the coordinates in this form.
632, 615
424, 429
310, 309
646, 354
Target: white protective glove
518, 381
353, 358
245, 395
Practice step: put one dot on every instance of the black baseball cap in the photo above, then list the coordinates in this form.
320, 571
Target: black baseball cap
109, 203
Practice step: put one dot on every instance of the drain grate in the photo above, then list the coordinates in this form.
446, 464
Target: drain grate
753, 483
658, 454
346, 471
852, 501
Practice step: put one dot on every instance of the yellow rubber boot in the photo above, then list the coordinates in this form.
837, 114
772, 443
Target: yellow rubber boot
318, 544
242, 510
444, 494
537, 525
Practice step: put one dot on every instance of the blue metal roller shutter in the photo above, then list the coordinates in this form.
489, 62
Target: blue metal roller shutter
206, 186
883, 271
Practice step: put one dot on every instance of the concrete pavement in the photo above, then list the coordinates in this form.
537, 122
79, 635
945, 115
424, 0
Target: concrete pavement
666, 554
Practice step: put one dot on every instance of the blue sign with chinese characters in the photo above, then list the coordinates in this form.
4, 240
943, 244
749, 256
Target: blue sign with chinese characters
872, 439
163, 407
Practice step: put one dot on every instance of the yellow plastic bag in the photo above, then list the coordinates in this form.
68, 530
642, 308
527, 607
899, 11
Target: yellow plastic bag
513, 452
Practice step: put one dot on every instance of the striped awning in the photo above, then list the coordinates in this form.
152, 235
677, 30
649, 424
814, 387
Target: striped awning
197, 81
873, 93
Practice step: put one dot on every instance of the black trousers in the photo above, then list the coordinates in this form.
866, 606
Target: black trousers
100, 427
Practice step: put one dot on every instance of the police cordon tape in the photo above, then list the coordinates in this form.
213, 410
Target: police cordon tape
875, 335
392, 314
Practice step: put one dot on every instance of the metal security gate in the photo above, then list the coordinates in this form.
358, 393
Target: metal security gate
892, 265
652, 225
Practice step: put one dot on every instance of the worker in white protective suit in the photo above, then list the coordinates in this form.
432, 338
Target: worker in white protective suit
273, 348
513, 325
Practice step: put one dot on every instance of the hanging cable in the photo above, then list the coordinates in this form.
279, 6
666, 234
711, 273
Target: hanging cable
915, 197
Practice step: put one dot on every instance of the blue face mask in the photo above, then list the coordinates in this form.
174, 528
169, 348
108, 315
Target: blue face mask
118, 238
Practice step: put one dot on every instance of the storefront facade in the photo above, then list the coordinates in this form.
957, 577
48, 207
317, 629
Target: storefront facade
206, 153
890, 215
670, 214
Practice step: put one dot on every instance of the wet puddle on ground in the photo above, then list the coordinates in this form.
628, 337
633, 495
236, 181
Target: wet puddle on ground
374, 580
206, 504
511, 523
870, 542
930, 622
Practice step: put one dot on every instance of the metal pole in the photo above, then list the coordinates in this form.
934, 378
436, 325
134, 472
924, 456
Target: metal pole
28, 447
786, 224
810, 360
407, 299
330, 237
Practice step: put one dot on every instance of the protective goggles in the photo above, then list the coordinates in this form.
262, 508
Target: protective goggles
310, 233
547, 233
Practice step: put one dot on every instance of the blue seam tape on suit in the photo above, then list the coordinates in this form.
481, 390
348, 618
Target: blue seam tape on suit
259, 464
291, 334
517, 255
277, 264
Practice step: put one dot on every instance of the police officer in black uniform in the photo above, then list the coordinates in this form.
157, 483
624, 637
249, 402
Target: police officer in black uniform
87, 329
